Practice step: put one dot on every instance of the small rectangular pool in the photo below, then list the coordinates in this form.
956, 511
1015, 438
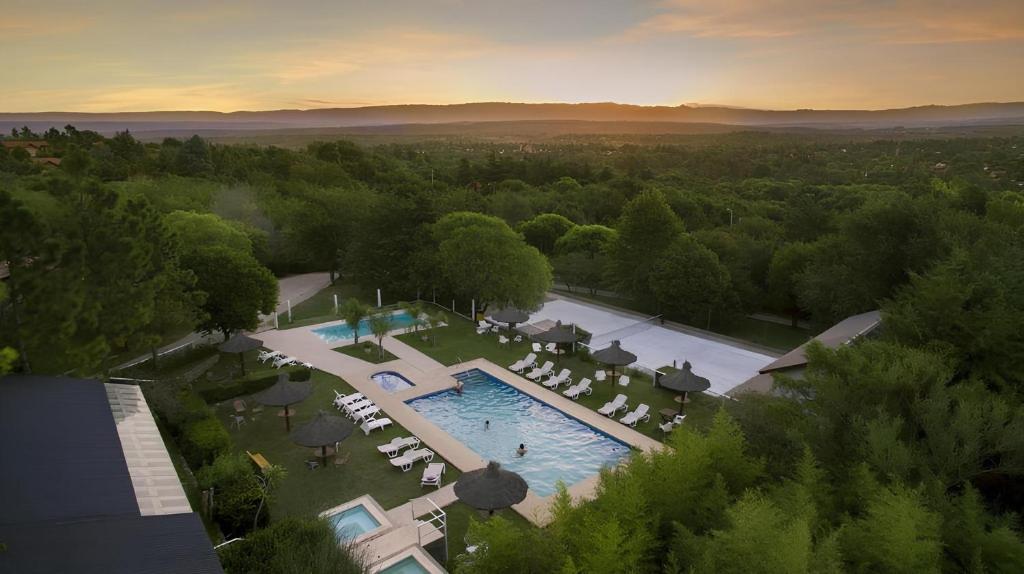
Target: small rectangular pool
559, 447
391, 381
350, 524
343, 331
407, 565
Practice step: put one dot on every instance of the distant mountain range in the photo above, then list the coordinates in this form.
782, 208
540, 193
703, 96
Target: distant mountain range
610, 113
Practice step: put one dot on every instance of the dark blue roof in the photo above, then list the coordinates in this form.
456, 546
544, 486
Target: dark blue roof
62, 455
66, 499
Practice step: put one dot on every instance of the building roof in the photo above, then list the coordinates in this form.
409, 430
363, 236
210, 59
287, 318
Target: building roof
24, 143
839, 334
54, 161
66, 485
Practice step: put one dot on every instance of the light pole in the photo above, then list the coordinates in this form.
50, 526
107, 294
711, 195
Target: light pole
729, 209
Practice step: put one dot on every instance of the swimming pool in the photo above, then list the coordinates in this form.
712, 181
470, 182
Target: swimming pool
350, 524
343, 331
559, 446
407, 565
391, 381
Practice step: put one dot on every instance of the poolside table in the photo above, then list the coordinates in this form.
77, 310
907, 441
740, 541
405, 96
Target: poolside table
667, 414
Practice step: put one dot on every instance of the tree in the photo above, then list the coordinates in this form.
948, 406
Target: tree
544, 230
321, 223
436, 320
293, 546
591, 240
237, 492
380, 325
578, 270
353, 312
647, 228
897, 534
7, 355
689, 282
199, 230
193, 158
787, 264
237, 288
479, 256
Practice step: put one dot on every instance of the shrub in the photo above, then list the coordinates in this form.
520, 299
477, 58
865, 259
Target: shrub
236, 493
302, 374
204, 440
249, 385
290, 545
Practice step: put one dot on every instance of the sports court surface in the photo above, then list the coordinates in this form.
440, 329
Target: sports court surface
725, 365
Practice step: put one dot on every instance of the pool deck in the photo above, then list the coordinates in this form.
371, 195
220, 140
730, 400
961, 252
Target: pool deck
430, 376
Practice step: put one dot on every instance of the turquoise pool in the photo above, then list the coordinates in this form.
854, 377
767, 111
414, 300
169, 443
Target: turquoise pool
407, 565
559, 446
343, 331
354, 522
391, 381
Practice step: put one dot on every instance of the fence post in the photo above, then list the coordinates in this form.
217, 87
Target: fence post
289, 310
276, 325
453, 305
378, 299
335, 303
472, 310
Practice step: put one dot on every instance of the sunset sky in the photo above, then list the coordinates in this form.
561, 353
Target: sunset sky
189, 55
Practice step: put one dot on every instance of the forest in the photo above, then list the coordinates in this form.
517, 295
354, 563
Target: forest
901, 454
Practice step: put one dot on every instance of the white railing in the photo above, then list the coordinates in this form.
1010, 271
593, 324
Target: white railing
437, 522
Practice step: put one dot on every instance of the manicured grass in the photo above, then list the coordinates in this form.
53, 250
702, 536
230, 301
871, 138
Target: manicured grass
307, 492
772, 335
320, 307
458, 342
366, 351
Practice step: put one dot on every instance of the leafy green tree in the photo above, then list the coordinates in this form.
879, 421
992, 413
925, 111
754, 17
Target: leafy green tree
787, 264
689, 282
237, 492
545, 230
591, 240
479, 256
579, 270
193, 158
759, 537
321, 224
353, 312
237, 288
502, 549
292, 546
380, 324
897, 533
199, 230
647, 228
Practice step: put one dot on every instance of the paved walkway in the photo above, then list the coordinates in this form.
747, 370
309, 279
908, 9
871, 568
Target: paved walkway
429, 376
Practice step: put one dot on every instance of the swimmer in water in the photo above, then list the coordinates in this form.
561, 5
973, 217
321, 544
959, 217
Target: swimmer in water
487, 425
521, 451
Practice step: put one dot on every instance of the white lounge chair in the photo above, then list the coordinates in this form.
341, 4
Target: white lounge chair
373, 424
637, 416
551, 347
574, 392
600, 376
617, 404
540, 371
351, 408
537, 348
265, 356
432, 474
521, 365
502, 340
395, 445
484, 327
668, 426
517, 339
283, 361
407, 459
363, 414
308, 366
565, 376
341, 400
624, 381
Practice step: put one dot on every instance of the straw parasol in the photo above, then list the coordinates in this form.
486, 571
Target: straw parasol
557, 335
285, 393
510, 316
684, 381
240, 344
614, 356
323, 430
490, 488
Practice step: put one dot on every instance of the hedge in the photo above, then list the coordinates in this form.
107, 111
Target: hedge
204, 440
248, 386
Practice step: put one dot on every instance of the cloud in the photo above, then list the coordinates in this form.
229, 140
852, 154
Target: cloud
169, 97
388, 48
906, 21
40, 25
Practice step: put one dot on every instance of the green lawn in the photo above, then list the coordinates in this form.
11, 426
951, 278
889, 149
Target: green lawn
307, 492
772, 335
320, 307
366, 351
458, 342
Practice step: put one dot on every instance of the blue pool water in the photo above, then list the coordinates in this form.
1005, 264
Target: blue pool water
407, 565
391, 381
559, 447
343, 331
353, 522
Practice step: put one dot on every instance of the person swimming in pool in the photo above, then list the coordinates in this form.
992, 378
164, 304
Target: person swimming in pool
458, 387
521, 451
487, 425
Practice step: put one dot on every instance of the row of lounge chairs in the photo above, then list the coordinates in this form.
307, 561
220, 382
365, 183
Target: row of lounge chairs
362, 410
281, 360
434, 471
620, 403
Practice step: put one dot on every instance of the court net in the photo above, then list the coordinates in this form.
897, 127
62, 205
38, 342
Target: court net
622, 333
